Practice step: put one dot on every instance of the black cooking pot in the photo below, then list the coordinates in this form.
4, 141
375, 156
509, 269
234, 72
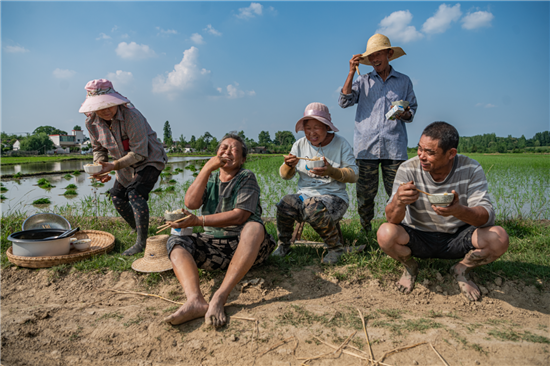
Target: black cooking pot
40, 242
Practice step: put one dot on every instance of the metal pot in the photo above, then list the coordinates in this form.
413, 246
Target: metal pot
39, 243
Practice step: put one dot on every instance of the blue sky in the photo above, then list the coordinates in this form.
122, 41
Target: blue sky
253, 66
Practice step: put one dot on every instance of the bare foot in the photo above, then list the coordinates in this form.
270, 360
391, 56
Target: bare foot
467, 286
406, 283
216, 315
190, 310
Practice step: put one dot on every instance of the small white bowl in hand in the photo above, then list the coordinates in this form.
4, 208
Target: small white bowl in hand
315, 164
441, 199
92, 169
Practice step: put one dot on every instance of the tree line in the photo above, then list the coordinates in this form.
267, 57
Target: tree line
491, 143
282, 142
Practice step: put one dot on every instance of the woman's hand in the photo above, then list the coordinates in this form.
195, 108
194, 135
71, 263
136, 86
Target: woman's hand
189, 222
291, 160
215, 163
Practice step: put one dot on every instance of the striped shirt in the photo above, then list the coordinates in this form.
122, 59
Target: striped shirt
466, 178
128, 123
375, 136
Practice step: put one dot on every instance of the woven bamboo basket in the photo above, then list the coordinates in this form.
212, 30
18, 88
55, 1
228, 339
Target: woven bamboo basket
102, 242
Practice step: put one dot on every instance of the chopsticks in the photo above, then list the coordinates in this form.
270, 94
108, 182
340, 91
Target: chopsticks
99, 175
429, 194
166, 226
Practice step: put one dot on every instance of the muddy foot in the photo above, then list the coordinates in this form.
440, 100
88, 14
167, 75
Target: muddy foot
188, 311
216, 315
406, 283
468, 288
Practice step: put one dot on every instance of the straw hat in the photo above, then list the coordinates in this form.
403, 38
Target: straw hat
156, 256
380, 42
317, 111
101, 95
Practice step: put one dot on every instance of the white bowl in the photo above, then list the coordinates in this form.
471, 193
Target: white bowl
314, 164
82, 244
92, 169
441, 199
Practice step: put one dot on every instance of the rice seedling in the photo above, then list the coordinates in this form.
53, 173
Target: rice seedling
17, 175
157, 190
2, 197
76, 173
41, 201
170, 189
172, 181
3, 189
70, 192
67, 176
71, 186
42, 181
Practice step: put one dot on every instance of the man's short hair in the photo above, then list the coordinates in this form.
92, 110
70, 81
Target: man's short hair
446, 134
234, 137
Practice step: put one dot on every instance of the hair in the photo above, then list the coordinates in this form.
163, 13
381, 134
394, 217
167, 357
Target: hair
446, 134
234, 137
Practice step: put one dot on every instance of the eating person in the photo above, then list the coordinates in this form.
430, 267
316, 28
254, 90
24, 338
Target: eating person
463, 230
234, 237
118, 129
321, 199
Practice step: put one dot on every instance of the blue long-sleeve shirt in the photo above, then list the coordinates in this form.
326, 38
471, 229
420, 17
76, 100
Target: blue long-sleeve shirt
375, 136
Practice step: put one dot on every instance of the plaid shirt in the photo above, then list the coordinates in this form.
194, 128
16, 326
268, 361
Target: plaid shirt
242, 192
128, 123
376, 137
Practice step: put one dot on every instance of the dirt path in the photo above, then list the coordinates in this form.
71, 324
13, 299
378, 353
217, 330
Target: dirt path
51, 319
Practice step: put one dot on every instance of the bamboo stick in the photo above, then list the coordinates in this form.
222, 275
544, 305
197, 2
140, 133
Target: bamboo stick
166, 226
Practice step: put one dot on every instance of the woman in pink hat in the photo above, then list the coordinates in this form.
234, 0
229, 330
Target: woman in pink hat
321, 199
118, 129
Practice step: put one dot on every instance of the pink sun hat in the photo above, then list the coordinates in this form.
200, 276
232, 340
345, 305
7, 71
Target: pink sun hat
317, 111
101, 95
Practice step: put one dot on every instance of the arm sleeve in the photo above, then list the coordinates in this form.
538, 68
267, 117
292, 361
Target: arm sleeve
478, 194
99, 152
127, 160
347, 100
248, 194
136, 130
349, 172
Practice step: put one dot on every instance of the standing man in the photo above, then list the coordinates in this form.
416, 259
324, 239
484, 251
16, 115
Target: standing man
377, 139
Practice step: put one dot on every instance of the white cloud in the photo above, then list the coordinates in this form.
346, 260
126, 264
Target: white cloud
483, 105
15, 49
250, 12
63, 74
120, 77
396, 28
211, 30
134, 51
233, 92
186, 76
114, 28
477, 20
167, 32
442, 19
197, 38
124, 36
102, 36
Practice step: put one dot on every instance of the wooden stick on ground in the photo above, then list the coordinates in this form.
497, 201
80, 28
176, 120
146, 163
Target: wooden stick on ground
366, 334
277, 345
437, 353
399, 350
351, 353
328, 353
144, 294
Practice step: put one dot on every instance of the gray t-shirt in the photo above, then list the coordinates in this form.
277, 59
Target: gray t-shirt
338, 153
466, 178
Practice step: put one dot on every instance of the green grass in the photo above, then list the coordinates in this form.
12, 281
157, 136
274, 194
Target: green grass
6, 160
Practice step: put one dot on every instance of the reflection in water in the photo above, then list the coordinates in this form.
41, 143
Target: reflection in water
22, 192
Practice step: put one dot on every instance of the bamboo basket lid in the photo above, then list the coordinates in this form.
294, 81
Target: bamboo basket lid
101, 242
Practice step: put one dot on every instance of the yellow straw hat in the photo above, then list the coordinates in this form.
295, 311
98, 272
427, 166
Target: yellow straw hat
156, 256
380, 42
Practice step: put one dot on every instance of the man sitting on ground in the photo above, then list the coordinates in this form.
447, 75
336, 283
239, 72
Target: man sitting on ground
464, 229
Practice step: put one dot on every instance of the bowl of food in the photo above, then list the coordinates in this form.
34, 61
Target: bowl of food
315, 162
82, 244
174, 215
93, 168
441, 199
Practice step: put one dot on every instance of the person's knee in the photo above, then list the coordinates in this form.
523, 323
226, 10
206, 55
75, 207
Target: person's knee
387, 235
500, 240
255, 231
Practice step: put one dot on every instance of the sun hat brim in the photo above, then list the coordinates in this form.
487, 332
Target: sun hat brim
98, 102
151, 266
397, 52
300, 123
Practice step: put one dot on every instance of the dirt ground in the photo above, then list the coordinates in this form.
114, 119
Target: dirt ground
49, 318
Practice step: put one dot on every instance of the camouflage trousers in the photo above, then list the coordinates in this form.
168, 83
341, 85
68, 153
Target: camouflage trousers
367, 186
321, 212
